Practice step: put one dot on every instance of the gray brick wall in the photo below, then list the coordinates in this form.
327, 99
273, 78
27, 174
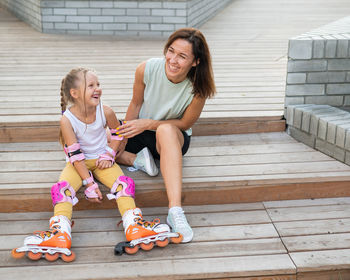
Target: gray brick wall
319, 66
28, 11
322, 127
135, 18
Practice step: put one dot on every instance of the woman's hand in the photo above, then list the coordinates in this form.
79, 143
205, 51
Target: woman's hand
132, 128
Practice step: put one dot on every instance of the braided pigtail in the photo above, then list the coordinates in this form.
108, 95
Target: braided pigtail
70, 81
63, 99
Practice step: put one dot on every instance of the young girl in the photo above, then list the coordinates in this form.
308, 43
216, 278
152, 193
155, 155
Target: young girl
83, 134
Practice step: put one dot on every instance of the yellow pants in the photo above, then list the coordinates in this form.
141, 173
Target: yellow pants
106, 176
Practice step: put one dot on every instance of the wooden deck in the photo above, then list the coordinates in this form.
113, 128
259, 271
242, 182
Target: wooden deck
284, 240
248, 40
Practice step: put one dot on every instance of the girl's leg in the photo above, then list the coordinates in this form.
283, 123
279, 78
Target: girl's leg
108, 177
134, 225
70, 175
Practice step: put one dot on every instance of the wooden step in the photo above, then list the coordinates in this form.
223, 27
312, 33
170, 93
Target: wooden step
217, 169
46, 128
284, 240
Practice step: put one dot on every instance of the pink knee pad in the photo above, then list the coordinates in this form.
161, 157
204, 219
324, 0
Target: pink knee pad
128, 188
58, 193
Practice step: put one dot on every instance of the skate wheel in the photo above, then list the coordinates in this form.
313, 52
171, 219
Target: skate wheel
177, 240
147, 247
69, 258
131, 250
34, 256
17, 255
162, 243
53, 257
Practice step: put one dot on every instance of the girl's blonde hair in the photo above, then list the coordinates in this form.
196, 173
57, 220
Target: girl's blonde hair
71, 81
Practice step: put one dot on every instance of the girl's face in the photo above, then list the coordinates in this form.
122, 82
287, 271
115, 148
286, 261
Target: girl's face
179, 60
93, 91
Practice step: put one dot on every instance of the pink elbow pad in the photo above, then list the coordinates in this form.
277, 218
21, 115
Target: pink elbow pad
74, 153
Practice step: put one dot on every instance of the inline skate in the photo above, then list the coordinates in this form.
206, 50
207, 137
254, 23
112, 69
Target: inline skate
144, 234
51, 244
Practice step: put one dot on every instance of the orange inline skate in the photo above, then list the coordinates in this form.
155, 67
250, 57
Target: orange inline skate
144, 234
51, 244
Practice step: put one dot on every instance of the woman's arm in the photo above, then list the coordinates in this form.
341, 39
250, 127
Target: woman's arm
190, 116
69, 139
135, 103
138, 93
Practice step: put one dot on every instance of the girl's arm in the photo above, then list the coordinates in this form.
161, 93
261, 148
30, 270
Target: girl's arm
112, 123
69, 139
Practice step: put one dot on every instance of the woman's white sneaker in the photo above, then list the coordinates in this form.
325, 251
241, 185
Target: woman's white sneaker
177, 221
144, 161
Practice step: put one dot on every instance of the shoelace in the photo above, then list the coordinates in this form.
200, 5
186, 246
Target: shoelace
46, 233
146, 224
180, 220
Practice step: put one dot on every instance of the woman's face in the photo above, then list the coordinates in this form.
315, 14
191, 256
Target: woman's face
179, 60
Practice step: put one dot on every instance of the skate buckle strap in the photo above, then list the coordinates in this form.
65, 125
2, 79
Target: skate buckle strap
128, 189
58, 193
74, 153
115, 136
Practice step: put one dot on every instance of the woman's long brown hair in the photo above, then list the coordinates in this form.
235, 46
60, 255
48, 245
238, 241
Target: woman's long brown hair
201, 76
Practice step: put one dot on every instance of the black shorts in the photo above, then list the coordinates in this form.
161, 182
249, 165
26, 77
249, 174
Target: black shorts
148, 139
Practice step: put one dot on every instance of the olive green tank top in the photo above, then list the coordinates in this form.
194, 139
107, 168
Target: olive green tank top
164, 100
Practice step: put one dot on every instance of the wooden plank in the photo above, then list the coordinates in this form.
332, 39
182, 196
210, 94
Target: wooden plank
324, 275
226, 140
147, 211
109, 224
14, 200
307, 202
23, 162
199, 172
176, 269
310, 213
313, 227
317, 242
321, 260
103, 251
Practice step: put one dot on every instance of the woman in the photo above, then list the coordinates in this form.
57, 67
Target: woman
168, 97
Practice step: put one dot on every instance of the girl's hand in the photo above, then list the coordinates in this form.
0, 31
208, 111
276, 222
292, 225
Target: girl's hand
132, 128
97, 199
103, 164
